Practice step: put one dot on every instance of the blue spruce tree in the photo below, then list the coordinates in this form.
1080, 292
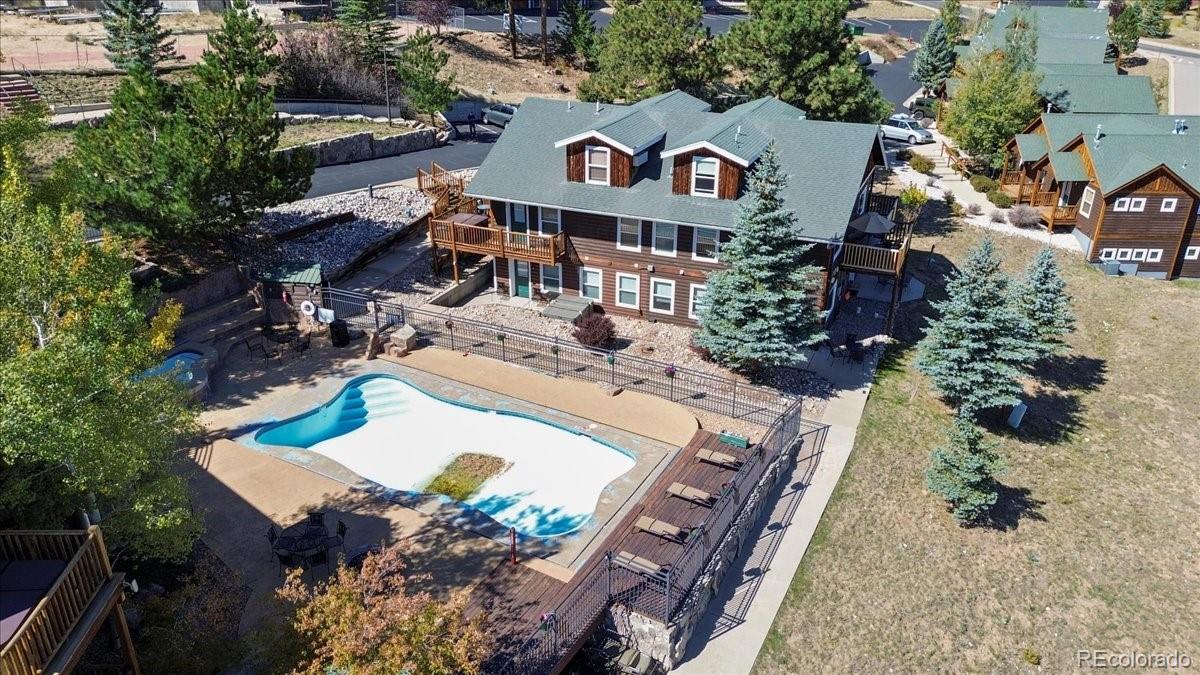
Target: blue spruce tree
964, 470
935, 59
760, 311
978, 346
1042, 299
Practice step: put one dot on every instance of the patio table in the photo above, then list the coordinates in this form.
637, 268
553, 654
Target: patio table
469, 219
302, 539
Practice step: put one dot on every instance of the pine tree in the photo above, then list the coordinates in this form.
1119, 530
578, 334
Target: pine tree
976, 349
367, 24
760, 310
651, 48
951, 16
964, 470
1125, 30
1076, 4
994, 101
420, 65
1021, 41
577, 31
935, 59
801, 53
1042, 299
134, 35
1154, 18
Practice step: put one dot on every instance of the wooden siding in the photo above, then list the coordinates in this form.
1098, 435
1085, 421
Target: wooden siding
729, 181
1087, 224
1191, 237
621, 167
1148, 229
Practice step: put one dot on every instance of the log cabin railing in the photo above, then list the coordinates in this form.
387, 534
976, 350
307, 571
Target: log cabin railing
1065, 213
498, 242
878, 259
51, 621
1047, 198
1010, 177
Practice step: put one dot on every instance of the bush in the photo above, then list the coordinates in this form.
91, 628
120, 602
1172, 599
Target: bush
595, 330
921, 164
904, 154
999, 199
983, 184
1024, 215
998, 216
321, 64
975, 209
949, 198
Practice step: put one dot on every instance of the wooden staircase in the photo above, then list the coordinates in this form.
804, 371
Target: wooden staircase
15, 91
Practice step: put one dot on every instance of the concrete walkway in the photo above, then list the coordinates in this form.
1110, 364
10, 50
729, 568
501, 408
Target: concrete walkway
731, 633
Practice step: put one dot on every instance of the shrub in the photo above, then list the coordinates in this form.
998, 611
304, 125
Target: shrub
595, 330
999, 199
904, 154
975, 209
949, 198
983, 184
1024, 215
998, 216
322, 64
921, 163
931, 180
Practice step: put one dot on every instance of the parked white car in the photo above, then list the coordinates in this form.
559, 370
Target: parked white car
905, 127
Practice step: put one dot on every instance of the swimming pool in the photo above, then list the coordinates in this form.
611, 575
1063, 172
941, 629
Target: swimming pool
394, 434
183, 361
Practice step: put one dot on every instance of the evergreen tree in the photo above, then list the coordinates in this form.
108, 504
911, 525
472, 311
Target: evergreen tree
1021, 40
369, 28
994, 101
577, 31
1154, 18
935, 59
134, 35
964, 470
975, 350
1041, 297
760, 310
1124, 31
1076, 4
951, 16
420, 65
801, 53
651, 48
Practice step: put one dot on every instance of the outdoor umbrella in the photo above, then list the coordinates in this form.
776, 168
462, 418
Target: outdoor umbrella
872, 223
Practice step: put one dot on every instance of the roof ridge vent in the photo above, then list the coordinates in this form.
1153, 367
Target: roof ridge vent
1180, 126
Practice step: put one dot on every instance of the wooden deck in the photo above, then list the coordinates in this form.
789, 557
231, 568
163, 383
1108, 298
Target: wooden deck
494, 241
513, 598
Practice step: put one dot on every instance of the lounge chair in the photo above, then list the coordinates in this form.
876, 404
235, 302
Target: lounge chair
638, 563
691, 494
718, 458
661, 529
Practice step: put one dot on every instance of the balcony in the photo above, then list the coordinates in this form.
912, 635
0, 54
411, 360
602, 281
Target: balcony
59, 589
875, 259
470, 233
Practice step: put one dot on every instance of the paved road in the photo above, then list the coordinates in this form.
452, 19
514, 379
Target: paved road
1185, 75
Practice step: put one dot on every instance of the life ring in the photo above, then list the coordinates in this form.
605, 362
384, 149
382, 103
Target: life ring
308, 308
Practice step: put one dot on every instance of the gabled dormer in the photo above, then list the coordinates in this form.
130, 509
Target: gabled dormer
609, 152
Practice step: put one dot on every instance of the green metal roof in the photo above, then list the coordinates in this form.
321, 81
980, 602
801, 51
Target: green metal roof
1067, 166
1061, 128
1031, 146
1066, 35
733, 132
1092, 69
632, 127
1100, 94
291, 273
824, 161
1130, 146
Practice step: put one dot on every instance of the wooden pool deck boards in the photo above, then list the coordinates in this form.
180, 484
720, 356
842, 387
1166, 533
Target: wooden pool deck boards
515, 597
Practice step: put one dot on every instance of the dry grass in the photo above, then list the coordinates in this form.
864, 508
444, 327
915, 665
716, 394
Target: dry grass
482, 64
465, 473
890, 47
1160, 77
1097, 543
888, 9
1185, 30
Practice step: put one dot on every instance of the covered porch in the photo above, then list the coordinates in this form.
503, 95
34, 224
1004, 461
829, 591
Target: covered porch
1052, 182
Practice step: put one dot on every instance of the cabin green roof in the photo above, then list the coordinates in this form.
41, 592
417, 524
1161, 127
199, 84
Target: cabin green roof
291, 273
1090, 69
1066, 35
1031, 146
1130, 146
732, 132
824, 161
1100, 94
1068, 166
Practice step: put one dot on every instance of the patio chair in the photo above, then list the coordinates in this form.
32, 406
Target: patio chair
856, 352
661, 529
300, 344
255, 345
690, 494
316, 519
718, 459
272, 536
338, 540
638, 563
287, 560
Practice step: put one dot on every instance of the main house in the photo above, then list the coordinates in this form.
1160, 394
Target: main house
629, 206
1127, 186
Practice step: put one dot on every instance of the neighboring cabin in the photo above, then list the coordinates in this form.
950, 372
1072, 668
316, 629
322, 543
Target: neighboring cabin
1127, 186
629, 206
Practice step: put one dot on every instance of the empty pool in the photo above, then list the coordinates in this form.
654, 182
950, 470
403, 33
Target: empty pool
396, 435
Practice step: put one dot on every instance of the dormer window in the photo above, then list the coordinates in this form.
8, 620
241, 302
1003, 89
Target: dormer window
704, 176
599, 162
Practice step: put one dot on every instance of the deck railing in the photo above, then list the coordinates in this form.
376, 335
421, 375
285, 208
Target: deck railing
879, 259
55, 615
1044, 198
498, 242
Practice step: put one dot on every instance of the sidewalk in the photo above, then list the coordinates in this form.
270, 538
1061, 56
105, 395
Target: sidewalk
730, 634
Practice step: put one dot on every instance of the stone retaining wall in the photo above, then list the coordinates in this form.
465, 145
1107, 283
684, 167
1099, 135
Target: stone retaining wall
214, 287
365, 145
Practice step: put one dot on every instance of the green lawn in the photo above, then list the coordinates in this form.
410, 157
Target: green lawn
463, 476
1097, 545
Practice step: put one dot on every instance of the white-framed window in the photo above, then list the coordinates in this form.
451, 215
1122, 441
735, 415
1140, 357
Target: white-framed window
1137, 204
1168, 204
1108, 254
665, 235
1125, 254
1192, 253
1154, 255
662, 296
1139, 255
518, 220
591, 284
628, 291
549, 220
696, 300
597, 162
629, 234
1121, 204
706, 244
1085, 203
551, 278
705, 176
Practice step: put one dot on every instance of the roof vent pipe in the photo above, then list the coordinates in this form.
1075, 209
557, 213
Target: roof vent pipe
1180, 127
1096, 140
597, 108
568, 105
737, 135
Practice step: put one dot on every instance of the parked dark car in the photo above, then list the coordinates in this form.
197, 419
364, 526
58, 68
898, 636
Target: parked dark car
500, 114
